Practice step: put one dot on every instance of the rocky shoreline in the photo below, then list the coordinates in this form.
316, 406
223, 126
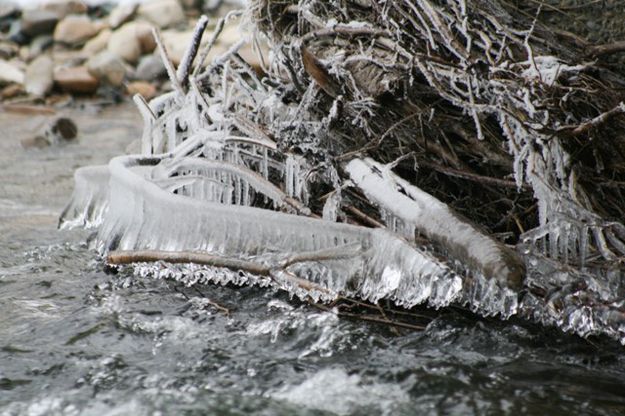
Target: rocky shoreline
63, 50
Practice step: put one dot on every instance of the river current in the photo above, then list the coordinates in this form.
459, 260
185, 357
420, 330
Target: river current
76, 339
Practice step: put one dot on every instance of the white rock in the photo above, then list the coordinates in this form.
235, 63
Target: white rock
9, 73
107, 67
176, 44
121, 14
125, 44
163, 13
75, 29
38, 80
97, 43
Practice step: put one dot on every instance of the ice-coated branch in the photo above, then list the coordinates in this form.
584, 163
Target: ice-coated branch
437, 222
184, 69
169, 66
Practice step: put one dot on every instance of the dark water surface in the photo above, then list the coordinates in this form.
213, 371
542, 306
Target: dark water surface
75, 340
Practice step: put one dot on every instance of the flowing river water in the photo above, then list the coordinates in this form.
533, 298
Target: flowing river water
76, 340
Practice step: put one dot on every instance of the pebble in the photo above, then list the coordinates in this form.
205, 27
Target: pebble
108, 68
57, 130
10, 91
121, 14
177, 42
8, 50
125, 43
8, 10
98, 43
9, 73
163, 13
38, 22
65, 7
39, 45
38, 80
75, 29
143, 32
145, 89
150, 68
76, 80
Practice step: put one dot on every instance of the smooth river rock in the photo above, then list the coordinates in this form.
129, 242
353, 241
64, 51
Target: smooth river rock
38, 22
163, 13
76, 80
10, 73
39, 79
108, 68
75, 29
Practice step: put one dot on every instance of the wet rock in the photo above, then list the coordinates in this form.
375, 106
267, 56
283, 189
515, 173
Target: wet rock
145, 89
75, 30
107, 67
10, 73
150, 68
38, 22
38, 80
55, 131
97, 43
76, 80
131, 40
163, 13
121, 14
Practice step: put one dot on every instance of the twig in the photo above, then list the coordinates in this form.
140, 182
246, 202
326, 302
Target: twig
368, 318
606, 49
215, 305
138, 256
595, 122
218, 29
184, 69
169, 66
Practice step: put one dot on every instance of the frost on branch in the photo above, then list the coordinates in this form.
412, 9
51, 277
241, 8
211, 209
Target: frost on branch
450, 127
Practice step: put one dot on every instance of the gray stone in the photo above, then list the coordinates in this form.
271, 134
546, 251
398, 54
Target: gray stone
38, 80
150, 68
163, 13
108, 68
38, 22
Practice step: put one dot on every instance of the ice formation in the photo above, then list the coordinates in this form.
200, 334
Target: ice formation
218, 175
